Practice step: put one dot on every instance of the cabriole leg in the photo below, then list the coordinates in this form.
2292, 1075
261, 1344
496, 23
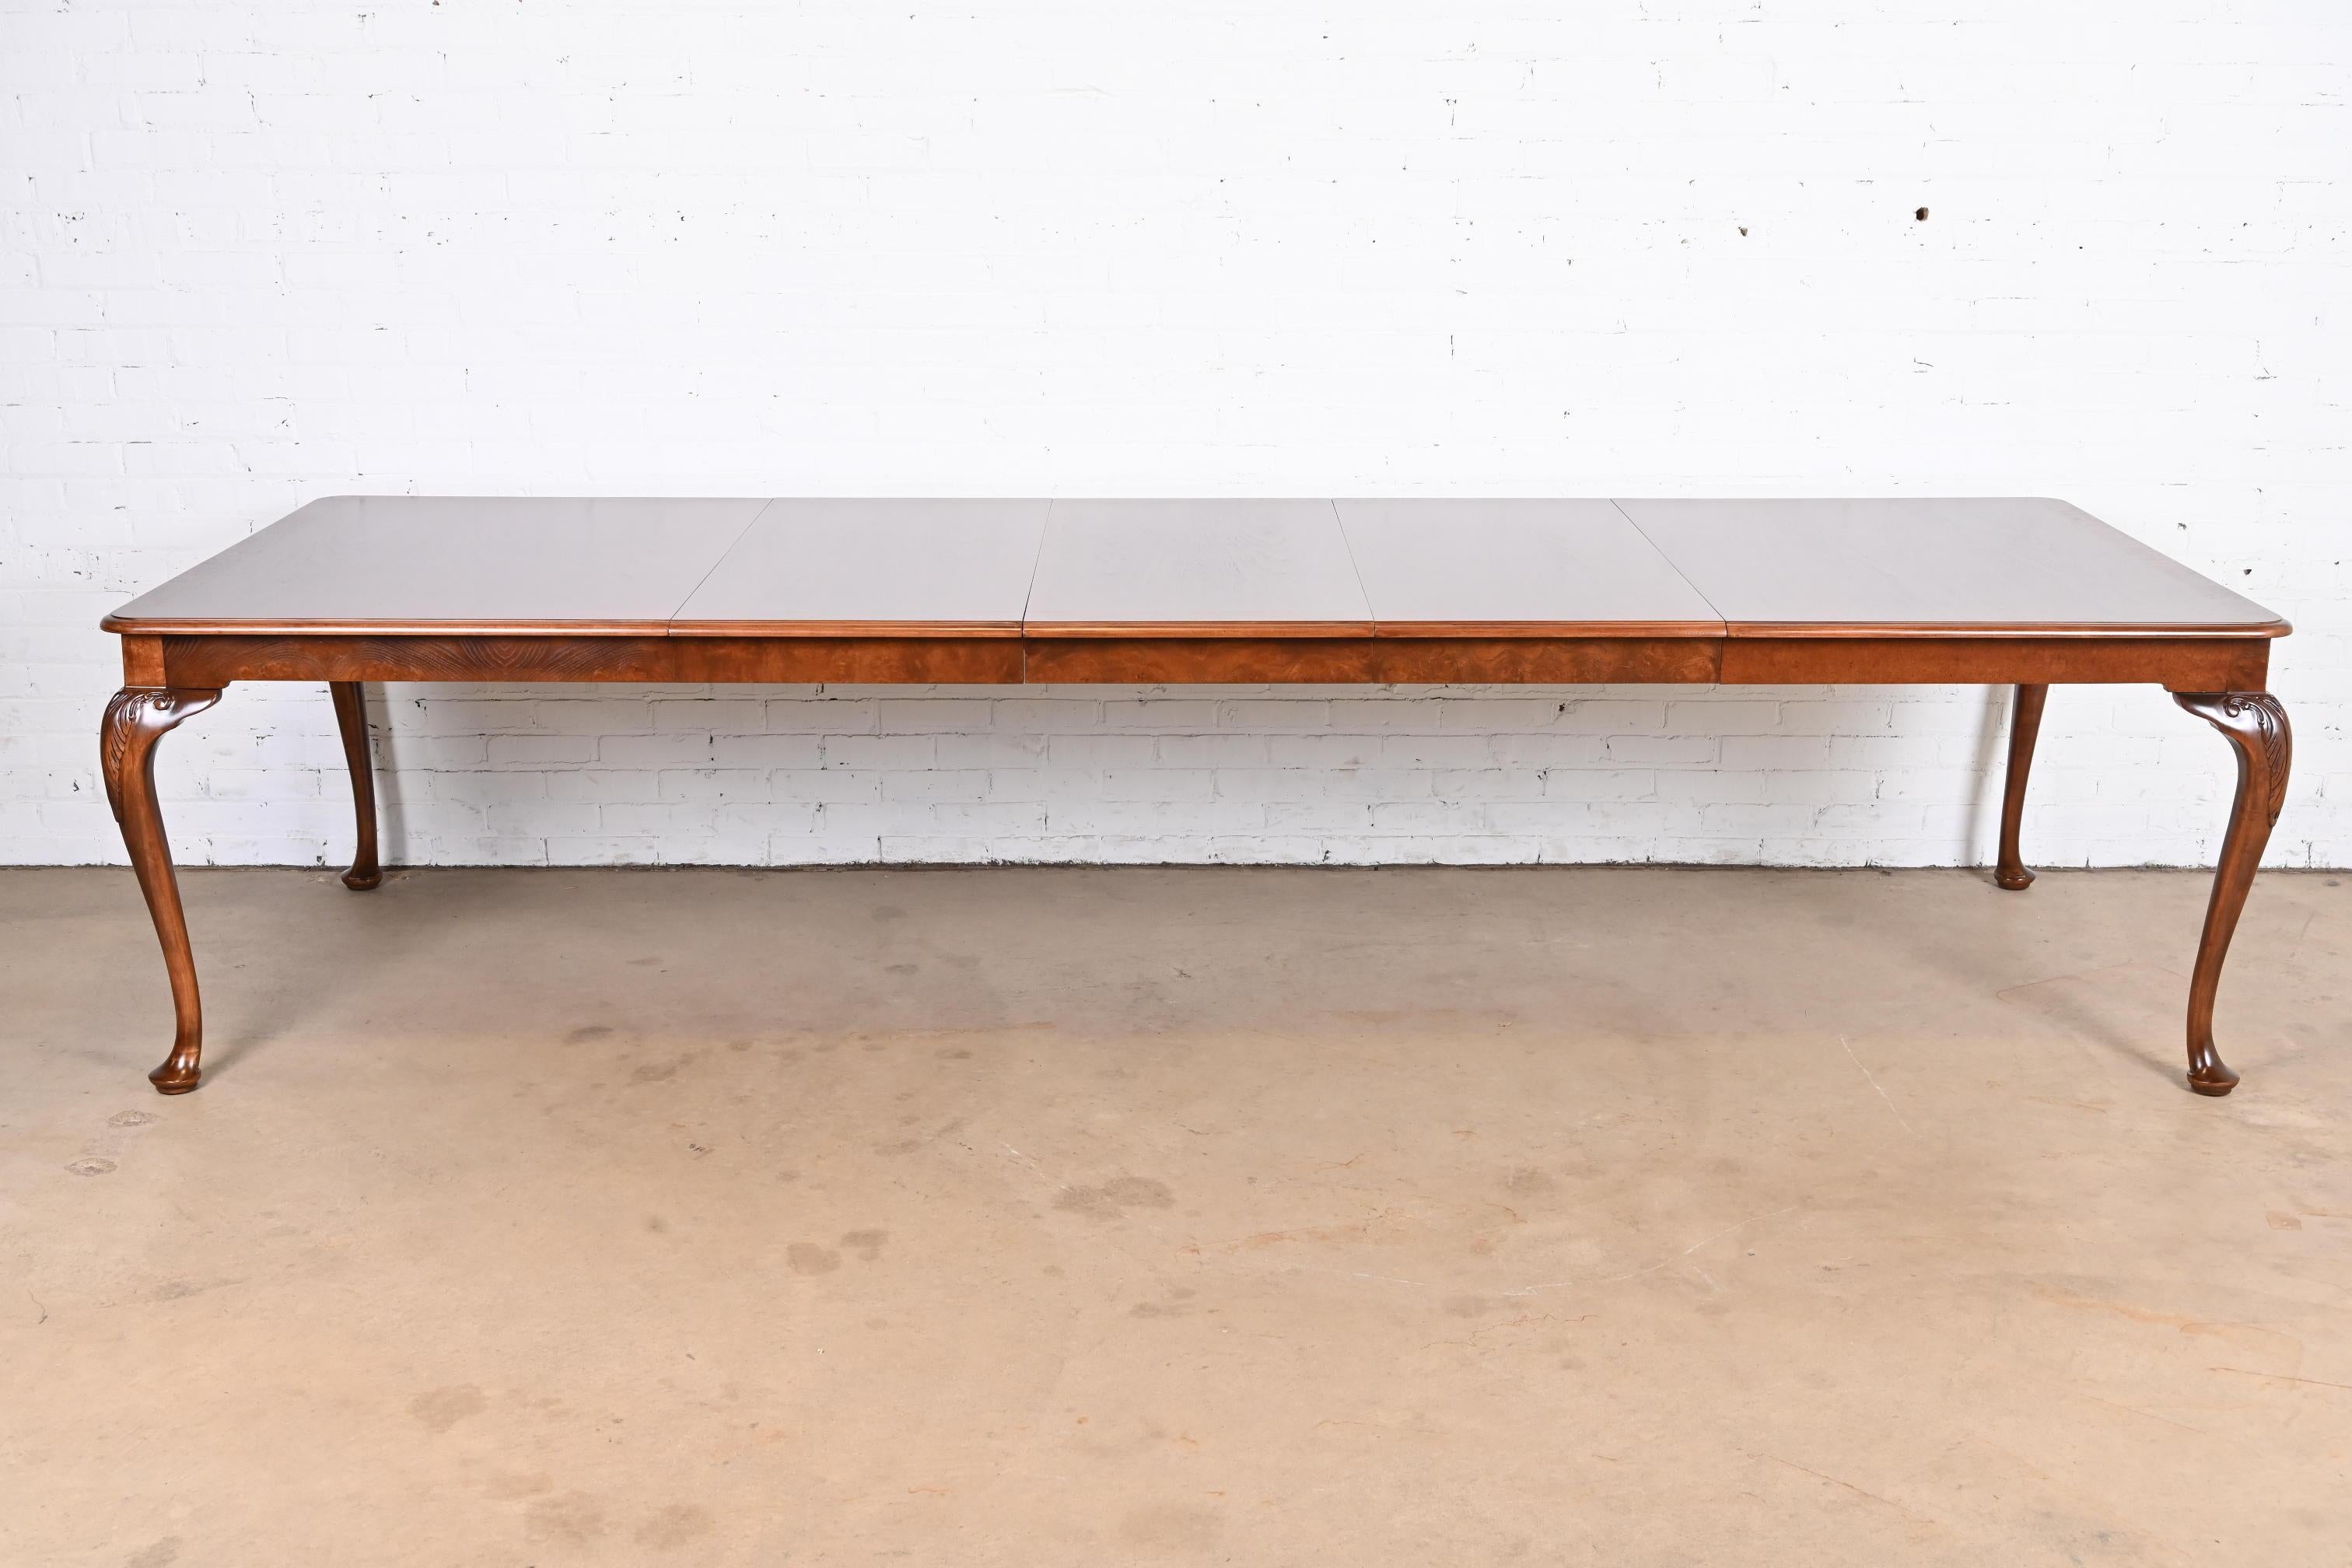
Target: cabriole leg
2257, 730
350, 716
2024, 724
135, 720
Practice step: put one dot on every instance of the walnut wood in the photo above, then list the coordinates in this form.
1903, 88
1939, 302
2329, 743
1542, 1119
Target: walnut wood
2256, 727
607, 567
1516, 568
1546, 661
2023, 592
216, 660
2180, 664
350, 716
1222, 653
1226, 654
1202, 660
143, 661
1934, 564
822, 631
870, 567
991, 660
2024, 724
1254, 569
1980, 630
453, 565
1218, 659
135, 720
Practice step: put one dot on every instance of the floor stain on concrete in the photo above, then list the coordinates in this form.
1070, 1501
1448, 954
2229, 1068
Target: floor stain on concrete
1387, 1311
442, 1408
1114, 1197
512, 1486
571, 1519
675, 1525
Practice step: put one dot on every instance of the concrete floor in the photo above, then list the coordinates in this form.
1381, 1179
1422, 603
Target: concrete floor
1087, 1216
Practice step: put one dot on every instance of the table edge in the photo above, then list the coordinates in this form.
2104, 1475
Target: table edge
1795, 631
1180, 631
116, 625
283, 625
2191, 662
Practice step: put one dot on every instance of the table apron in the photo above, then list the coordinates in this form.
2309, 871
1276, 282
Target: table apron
2195, 663
216, 660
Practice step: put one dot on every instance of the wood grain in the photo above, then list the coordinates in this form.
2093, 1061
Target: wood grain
1127, 592
2255, 724
1227, 654
479, 565
1221, 660
214, 660
351, 719
218, 660
852, 660
873, 567
2179, 663
1434, 660
1138, 568
143, 660
135, 720
1932, 566
1516, 568
2024, 726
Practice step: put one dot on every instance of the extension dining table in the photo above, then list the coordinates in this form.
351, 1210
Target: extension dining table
2018, 592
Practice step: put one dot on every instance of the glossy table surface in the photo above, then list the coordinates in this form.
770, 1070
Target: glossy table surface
1517, 567
454, 561
1117, 567
1924, 563
814, 565
1265, 569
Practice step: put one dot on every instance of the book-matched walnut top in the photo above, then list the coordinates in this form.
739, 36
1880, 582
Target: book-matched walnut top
940, 567
1123, 568
1517, 568
1957, 564
1089, 569
453, 564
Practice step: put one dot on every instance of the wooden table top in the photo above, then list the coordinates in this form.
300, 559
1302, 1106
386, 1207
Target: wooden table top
1517, 568
864, 567
1955, 565
1204, 569
1121, 568
453, 564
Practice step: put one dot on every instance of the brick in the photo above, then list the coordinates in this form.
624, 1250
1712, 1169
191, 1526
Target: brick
240, 268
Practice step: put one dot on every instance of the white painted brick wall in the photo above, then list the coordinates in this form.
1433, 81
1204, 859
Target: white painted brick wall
258, 252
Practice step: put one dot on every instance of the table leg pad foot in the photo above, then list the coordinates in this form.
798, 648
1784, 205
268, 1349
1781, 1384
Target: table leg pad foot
176, 1076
